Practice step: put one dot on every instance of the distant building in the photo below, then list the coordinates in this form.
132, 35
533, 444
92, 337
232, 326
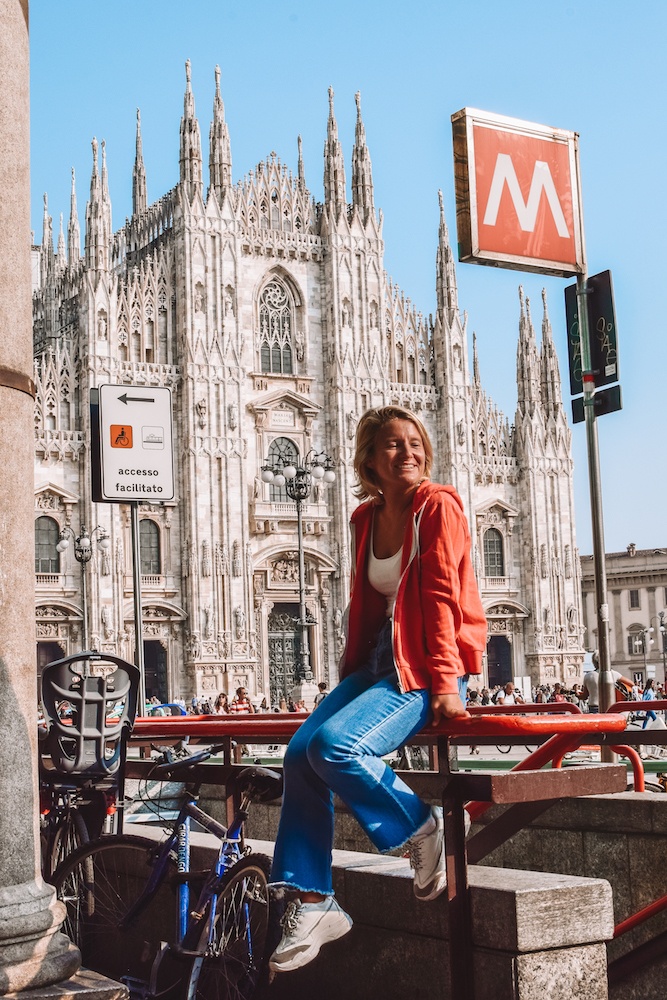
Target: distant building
271, 317
637, 598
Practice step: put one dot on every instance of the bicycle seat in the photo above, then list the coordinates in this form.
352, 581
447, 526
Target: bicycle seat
88, 718
262, 784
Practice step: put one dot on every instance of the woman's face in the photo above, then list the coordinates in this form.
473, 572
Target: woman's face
398, 457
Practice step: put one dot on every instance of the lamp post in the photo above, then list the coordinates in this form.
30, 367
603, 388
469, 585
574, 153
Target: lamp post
83, 550
298, 482
662, 629
642, 636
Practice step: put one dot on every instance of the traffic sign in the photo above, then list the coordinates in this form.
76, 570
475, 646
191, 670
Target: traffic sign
517, 194
602, 332
132, 444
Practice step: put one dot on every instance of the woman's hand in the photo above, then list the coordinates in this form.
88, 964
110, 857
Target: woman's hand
447, 706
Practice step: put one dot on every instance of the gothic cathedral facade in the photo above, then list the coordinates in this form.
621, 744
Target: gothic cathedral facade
272, 320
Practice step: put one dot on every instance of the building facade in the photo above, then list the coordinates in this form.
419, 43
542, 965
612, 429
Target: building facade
637, 600
270, 316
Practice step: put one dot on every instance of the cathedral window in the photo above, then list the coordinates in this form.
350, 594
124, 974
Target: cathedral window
275, 329
281, 453
47, 557
494, 563
149, 548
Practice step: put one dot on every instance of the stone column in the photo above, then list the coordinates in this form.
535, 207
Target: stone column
32, 950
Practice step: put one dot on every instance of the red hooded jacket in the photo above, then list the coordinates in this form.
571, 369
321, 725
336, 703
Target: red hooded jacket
438, 626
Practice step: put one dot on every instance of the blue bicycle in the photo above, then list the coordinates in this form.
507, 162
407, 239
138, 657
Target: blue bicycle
142, 916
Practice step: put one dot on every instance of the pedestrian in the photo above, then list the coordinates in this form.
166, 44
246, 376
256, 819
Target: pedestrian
321, 693
221, 704
649, 695
415, 627
509, 696
241, 703
591, 689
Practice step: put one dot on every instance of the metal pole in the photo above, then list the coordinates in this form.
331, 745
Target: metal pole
84, 601
606, 693
306, 673
138, 618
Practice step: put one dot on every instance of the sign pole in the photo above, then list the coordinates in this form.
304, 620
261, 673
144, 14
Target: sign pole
138, 618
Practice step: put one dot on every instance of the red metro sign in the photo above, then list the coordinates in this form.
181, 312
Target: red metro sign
517, 194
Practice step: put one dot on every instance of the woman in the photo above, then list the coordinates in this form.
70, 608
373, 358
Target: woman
415, 631
649, 695
221, 705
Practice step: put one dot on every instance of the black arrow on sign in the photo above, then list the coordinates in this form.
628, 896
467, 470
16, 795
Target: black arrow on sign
135, 399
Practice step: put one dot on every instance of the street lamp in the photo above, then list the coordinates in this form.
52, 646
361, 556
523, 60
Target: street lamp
662, 628
83, 550
298, 482
642, 636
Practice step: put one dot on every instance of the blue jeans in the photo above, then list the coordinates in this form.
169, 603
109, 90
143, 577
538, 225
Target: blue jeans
339, 749
649, 716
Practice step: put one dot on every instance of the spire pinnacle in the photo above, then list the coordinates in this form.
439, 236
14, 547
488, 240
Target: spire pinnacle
362, 177
334, 168
139, 193
73, 230
220, 150
445, 272
301, 172
527, 361
552, 398
190, 161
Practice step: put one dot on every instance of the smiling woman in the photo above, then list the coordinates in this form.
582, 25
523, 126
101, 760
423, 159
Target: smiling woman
416, 628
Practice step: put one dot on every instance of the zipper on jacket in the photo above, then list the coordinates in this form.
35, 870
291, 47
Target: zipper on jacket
416, 520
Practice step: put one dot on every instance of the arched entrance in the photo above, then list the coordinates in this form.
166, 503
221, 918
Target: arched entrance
155, 669
47, 652
499, 658
284, 639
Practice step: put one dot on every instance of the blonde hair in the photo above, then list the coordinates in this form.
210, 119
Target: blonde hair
367, 430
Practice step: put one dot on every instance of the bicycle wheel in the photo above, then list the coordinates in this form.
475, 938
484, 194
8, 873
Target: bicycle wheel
234, 959
503, 748
98, 884
69, 835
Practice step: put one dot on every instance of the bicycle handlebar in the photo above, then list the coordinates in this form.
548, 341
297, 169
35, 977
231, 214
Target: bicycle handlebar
167, 765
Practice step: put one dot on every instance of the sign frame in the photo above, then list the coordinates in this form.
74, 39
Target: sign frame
465, 126
144, 457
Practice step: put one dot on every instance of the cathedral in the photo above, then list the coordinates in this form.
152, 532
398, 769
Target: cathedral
271, 318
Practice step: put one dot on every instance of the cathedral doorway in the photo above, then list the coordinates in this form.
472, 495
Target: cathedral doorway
155, 671
284, 643
47, 652
499, 658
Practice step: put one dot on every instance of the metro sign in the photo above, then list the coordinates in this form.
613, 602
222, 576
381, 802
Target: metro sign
517, 194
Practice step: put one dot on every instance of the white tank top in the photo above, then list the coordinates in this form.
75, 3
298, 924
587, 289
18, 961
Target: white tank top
384, 575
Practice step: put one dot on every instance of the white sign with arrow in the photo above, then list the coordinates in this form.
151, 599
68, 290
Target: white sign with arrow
135, 443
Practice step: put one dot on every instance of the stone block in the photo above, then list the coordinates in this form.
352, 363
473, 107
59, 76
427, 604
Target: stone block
85, 985
529, 911
564, 974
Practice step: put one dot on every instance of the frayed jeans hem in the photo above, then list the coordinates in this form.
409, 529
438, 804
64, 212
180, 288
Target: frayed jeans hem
278, 889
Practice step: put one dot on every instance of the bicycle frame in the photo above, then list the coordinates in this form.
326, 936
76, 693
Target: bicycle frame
178, 843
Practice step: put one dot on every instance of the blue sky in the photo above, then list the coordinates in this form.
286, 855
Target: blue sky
597, 68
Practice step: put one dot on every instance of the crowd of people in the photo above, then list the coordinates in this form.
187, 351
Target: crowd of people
240, 704
576, 694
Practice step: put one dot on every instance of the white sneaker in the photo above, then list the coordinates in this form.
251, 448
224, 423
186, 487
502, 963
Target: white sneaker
306, 927
427, 857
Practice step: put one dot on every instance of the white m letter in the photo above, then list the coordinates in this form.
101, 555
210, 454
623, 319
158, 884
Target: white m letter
505, 173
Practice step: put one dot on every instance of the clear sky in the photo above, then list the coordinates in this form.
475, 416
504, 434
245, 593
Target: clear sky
596, 67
